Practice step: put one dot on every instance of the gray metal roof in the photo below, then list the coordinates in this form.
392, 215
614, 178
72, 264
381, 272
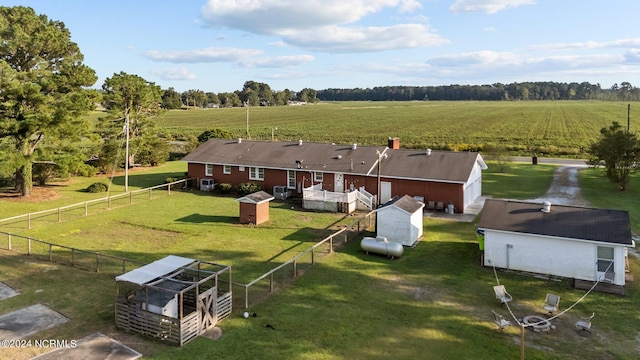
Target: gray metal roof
574, 222
445, 166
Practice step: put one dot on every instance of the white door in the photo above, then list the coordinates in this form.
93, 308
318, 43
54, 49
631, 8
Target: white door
385, 191
338, 183
605, 265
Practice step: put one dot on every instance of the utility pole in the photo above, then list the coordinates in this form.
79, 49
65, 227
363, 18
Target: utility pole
628, 118
247, 105
126, 156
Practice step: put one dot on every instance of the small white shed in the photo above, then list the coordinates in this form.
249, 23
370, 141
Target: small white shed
582, 243
400, 220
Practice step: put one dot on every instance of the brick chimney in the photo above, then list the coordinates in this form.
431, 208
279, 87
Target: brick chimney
393, 143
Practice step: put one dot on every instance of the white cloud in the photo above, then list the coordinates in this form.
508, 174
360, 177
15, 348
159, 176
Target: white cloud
487, 6
211, 54
622, 43
174, 74
323, 25
277, 61
273, 16
364, 39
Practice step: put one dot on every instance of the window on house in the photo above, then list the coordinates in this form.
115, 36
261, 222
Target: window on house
256, 173
317, 176
227, 169
208, 170
291, 179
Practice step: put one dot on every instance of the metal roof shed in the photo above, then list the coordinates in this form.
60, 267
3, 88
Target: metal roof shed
174, 299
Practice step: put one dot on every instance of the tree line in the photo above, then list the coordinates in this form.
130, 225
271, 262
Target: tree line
252, 94
524, 91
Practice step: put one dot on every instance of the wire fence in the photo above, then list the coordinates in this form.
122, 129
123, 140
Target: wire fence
284, 274
65, 255
85, 208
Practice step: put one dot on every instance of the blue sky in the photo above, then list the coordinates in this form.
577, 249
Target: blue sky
217, 45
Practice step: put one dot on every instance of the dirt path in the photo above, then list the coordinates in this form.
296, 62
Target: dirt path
564, 189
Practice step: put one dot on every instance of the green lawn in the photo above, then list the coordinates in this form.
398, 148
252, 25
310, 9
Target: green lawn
432, 303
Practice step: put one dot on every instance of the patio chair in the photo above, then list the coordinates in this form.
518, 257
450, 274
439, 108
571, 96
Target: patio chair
551, 303
502, 294
431, 205
500, 321
440, 206
583, 325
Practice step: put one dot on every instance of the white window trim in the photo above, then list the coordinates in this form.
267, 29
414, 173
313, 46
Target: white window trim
290, 178
254, 173
318, 176
208, 169
226, 169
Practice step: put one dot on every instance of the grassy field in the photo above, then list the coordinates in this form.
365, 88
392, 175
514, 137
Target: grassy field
557, 128
432, 303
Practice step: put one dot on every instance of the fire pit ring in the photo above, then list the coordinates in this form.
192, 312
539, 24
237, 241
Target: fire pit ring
537, 323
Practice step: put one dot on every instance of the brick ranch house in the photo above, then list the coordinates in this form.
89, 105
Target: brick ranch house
386, 171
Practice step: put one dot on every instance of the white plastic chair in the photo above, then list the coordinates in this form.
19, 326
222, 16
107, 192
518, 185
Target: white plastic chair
502, 294
551, 303
500, 321
584, 324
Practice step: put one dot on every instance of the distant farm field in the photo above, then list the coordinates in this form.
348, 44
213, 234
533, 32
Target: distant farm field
548, 127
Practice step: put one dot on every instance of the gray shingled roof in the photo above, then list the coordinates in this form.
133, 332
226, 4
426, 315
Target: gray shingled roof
445, 166
406, 203
256, 197
575, 222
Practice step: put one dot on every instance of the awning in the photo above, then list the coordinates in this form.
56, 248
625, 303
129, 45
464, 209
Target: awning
156, 269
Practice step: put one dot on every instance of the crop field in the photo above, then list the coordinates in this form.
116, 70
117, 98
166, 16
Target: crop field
553, 128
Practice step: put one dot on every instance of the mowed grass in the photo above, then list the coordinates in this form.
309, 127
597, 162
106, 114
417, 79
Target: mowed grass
432, 303
560, 128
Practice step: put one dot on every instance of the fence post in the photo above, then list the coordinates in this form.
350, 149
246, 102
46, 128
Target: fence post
86, 209
28, 246
149, 194
313, 256
295, 268
271, 283
28, 221
331, 244
168, 189
108, 202
9, 241
97, 262
50, 253
246, 297
130, 197
59, 215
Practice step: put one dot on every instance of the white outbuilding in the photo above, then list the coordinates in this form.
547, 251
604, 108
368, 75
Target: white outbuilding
589, 245
400, 220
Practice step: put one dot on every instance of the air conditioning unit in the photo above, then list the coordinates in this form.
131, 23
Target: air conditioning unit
281, 192
207, 185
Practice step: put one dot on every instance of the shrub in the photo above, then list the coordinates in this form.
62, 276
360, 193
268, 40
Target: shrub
174, 186
224, 188
97, 187
248, 188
